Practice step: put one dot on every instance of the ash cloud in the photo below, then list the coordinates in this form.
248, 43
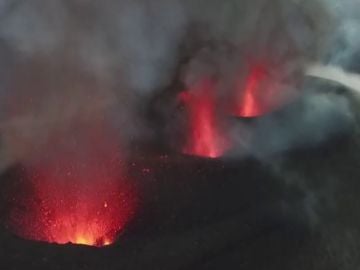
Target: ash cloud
121, 53
72, 61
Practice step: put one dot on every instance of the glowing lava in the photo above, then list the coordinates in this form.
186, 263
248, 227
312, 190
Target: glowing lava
205, 137
249, 103
79, 194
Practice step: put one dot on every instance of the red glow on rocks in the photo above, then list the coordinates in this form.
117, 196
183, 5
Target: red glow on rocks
205, 136
79, 194
249, 102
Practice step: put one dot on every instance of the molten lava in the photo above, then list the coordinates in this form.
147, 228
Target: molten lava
79, 194
248, 101
205, 136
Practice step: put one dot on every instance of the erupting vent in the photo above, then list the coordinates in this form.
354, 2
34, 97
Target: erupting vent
248, 99
206, 136
78, 195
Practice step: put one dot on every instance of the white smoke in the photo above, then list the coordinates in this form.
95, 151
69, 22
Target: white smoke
345, 33
335, 74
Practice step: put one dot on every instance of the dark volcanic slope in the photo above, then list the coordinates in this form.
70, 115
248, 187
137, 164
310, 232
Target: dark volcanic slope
297, 211
210, 215
194, 212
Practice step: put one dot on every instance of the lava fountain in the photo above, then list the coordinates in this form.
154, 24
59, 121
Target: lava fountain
248, 99
78, 194
205, 136
265, 88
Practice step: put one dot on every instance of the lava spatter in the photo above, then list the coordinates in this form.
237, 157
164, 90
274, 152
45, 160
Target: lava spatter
78, 195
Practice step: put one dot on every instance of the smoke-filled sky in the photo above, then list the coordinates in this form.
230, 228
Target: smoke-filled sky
65, 62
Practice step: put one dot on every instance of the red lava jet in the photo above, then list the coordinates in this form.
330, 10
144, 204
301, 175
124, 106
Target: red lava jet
78, 192
248, 99
205, 136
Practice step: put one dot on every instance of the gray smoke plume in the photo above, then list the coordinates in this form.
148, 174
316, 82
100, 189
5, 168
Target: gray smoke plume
131, 50
345, 42
322, 32
121, 53
72, 60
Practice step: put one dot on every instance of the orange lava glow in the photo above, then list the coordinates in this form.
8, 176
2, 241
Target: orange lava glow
205, 136
248, 96
78, 195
